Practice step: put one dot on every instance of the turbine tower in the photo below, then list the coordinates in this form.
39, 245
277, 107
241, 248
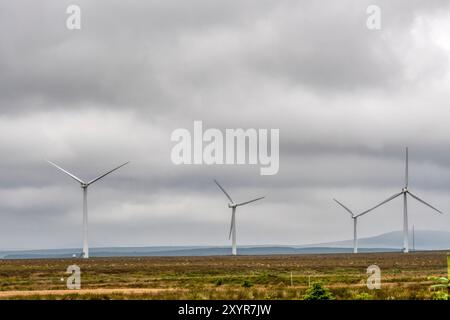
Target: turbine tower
84, 187
405, 192
355, 223
233, 207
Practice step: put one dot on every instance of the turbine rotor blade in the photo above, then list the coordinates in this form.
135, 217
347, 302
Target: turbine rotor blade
223, 190
406, 169
427, 204
105, 174
343, 206
247, 202
380, 204
66, 172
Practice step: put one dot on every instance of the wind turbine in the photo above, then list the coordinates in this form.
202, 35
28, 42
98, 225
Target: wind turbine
84, 186
233, 207
355, 222
405, 192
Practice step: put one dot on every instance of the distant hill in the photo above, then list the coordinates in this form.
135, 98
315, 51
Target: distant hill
387, 242
423, 240
170, 252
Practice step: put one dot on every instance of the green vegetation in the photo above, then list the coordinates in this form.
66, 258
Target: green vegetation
442, 285
362, 296
218, 282
318, 292
439, 295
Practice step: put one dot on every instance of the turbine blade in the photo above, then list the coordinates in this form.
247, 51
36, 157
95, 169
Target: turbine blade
105, 174
223, 190
427, 204
66, 172
380, 204
247, 202
343, 206
406, 169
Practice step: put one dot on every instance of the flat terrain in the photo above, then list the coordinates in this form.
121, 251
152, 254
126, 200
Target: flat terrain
404, 276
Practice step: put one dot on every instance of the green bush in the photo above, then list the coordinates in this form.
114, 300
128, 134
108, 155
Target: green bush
318, 292
218, 282
247, 284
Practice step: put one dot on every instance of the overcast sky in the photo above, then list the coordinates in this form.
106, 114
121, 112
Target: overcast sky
346, 99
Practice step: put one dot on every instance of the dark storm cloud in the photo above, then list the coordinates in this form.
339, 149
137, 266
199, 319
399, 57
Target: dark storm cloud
346, 100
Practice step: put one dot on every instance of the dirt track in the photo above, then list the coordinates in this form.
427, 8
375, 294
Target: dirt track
8, 294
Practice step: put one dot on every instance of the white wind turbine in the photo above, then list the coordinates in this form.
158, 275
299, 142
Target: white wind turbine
84, 186
405, 192
233, 207
355, 222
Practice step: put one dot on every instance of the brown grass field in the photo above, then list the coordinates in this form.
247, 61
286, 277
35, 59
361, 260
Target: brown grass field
404, 276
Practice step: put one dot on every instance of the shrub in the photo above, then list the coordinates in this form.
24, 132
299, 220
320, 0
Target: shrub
247, 284
318, 292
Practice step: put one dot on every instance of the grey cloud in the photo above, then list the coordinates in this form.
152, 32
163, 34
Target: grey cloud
163, 52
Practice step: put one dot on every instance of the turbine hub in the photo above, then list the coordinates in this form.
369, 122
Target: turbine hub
405, 189
232, 205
